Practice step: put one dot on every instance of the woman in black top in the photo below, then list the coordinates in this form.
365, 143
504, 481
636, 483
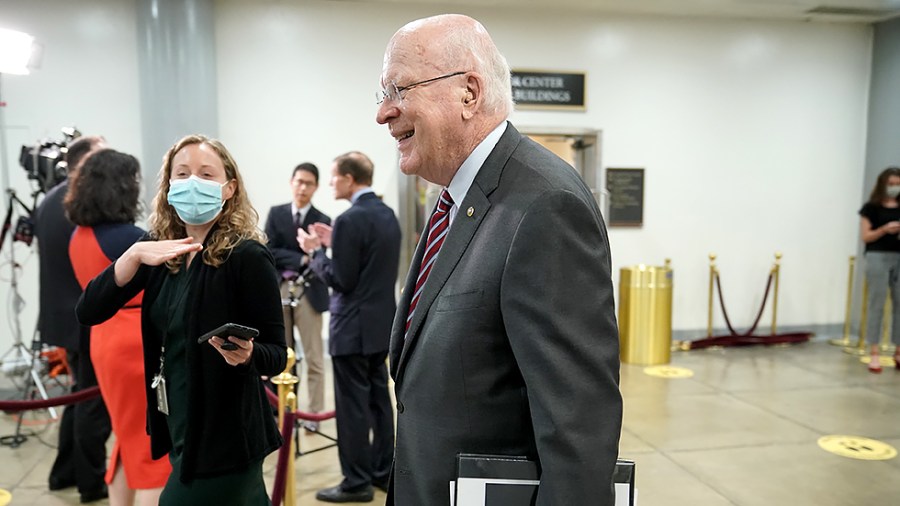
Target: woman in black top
880, 226
203, 265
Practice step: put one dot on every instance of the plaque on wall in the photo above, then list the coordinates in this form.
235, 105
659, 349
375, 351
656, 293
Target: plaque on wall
541, 89
626, 197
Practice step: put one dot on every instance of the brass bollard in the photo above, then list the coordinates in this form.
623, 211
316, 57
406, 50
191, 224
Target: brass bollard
645, 314
287, 400
845, 341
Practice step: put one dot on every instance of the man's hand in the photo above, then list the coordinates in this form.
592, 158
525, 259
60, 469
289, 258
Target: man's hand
308, 242
323, 231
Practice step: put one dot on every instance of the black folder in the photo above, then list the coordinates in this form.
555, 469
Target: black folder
496, 480
502, 480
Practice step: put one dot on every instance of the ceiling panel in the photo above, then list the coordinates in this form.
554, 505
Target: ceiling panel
852, 11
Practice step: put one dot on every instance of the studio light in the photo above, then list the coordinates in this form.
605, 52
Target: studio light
18, 52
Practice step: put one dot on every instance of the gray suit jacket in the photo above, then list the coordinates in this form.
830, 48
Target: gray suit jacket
513, 348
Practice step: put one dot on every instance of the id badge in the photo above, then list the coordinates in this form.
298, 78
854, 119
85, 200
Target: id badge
162, 400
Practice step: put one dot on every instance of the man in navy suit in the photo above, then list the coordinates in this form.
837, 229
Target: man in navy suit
362, 272
306, 295
85, 426
505, 339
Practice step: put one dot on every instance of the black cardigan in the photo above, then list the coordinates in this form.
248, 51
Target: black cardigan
230, 422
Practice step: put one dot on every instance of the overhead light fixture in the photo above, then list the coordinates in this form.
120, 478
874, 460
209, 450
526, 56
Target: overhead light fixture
18, 52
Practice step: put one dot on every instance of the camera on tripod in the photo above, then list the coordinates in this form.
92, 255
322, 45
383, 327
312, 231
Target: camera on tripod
45, 162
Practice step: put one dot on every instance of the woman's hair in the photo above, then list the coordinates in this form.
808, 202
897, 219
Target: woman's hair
879, 193
235, 223
105, 190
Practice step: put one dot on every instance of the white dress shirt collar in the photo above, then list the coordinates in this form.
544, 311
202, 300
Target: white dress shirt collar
303, 211
465, 176
358, 193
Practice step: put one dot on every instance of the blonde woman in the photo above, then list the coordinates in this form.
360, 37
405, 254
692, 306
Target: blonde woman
203, 265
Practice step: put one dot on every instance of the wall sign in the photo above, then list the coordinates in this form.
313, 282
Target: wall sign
538, 89
626, 197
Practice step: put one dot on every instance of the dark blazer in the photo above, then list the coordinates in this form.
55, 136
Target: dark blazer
59, 288
282, 236
230, 423
513, 348
365, 250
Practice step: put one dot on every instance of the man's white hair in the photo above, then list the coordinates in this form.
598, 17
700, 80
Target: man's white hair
475, 48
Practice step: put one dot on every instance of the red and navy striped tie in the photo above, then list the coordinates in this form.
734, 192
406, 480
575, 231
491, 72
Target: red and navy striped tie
437, 231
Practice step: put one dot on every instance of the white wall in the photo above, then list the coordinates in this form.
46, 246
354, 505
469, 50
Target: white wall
752, 133
88, 78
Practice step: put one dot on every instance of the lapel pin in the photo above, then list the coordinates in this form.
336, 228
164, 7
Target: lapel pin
470, 211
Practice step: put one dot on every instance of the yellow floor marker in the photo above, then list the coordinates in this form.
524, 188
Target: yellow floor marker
5, 497
884, 361
857, 447
668, 371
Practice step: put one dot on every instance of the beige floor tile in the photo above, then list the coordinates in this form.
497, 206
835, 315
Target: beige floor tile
661, 481
792, 474
692, 422
845, 410
630, 444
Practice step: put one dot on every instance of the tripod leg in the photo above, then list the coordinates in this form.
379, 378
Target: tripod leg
43, 391
15, 440
18, 438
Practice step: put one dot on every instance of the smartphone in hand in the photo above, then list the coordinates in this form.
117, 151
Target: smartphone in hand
230, 329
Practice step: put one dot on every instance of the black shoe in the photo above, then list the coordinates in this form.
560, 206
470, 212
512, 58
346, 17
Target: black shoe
381, 485
338, 494
94, 495
59, 484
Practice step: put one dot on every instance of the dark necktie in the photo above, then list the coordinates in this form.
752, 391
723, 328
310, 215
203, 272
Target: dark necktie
437, 231
298, 219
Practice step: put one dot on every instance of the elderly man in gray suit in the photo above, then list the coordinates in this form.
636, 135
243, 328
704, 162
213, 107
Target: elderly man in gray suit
505, 338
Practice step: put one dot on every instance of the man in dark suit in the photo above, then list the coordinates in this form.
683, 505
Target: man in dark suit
306, 294
509, 344
85, 427
362, 272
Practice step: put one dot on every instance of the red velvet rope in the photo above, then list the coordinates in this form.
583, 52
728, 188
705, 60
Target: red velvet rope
81, 395
758, 316
287, 433
302, 415
793, 337
284, 453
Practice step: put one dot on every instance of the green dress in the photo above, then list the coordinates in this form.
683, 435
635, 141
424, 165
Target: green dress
245, 487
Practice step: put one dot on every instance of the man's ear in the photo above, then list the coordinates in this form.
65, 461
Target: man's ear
471, 97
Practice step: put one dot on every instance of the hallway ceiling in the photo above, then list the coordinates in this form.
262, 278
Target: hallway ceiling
853, 11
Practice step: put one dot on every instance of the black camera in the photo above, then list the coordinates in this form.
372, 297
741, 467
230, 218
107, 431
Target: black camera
45, 161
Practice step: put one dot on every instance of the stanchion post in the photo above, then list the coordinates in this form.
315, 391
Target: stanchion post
845, 340
712, 275
776, 270
287, 400
290, 482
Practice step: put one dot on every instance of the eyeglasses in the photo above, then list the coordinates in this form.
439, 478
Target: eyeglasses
393, 92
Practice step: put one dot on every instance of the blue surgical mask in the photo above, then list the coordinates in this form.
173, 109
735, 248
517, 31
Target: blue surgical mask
893, 190
197, 201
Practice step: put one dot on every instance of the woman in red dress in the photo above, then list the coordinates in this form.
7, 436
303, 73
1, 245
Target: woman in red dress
103, 202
